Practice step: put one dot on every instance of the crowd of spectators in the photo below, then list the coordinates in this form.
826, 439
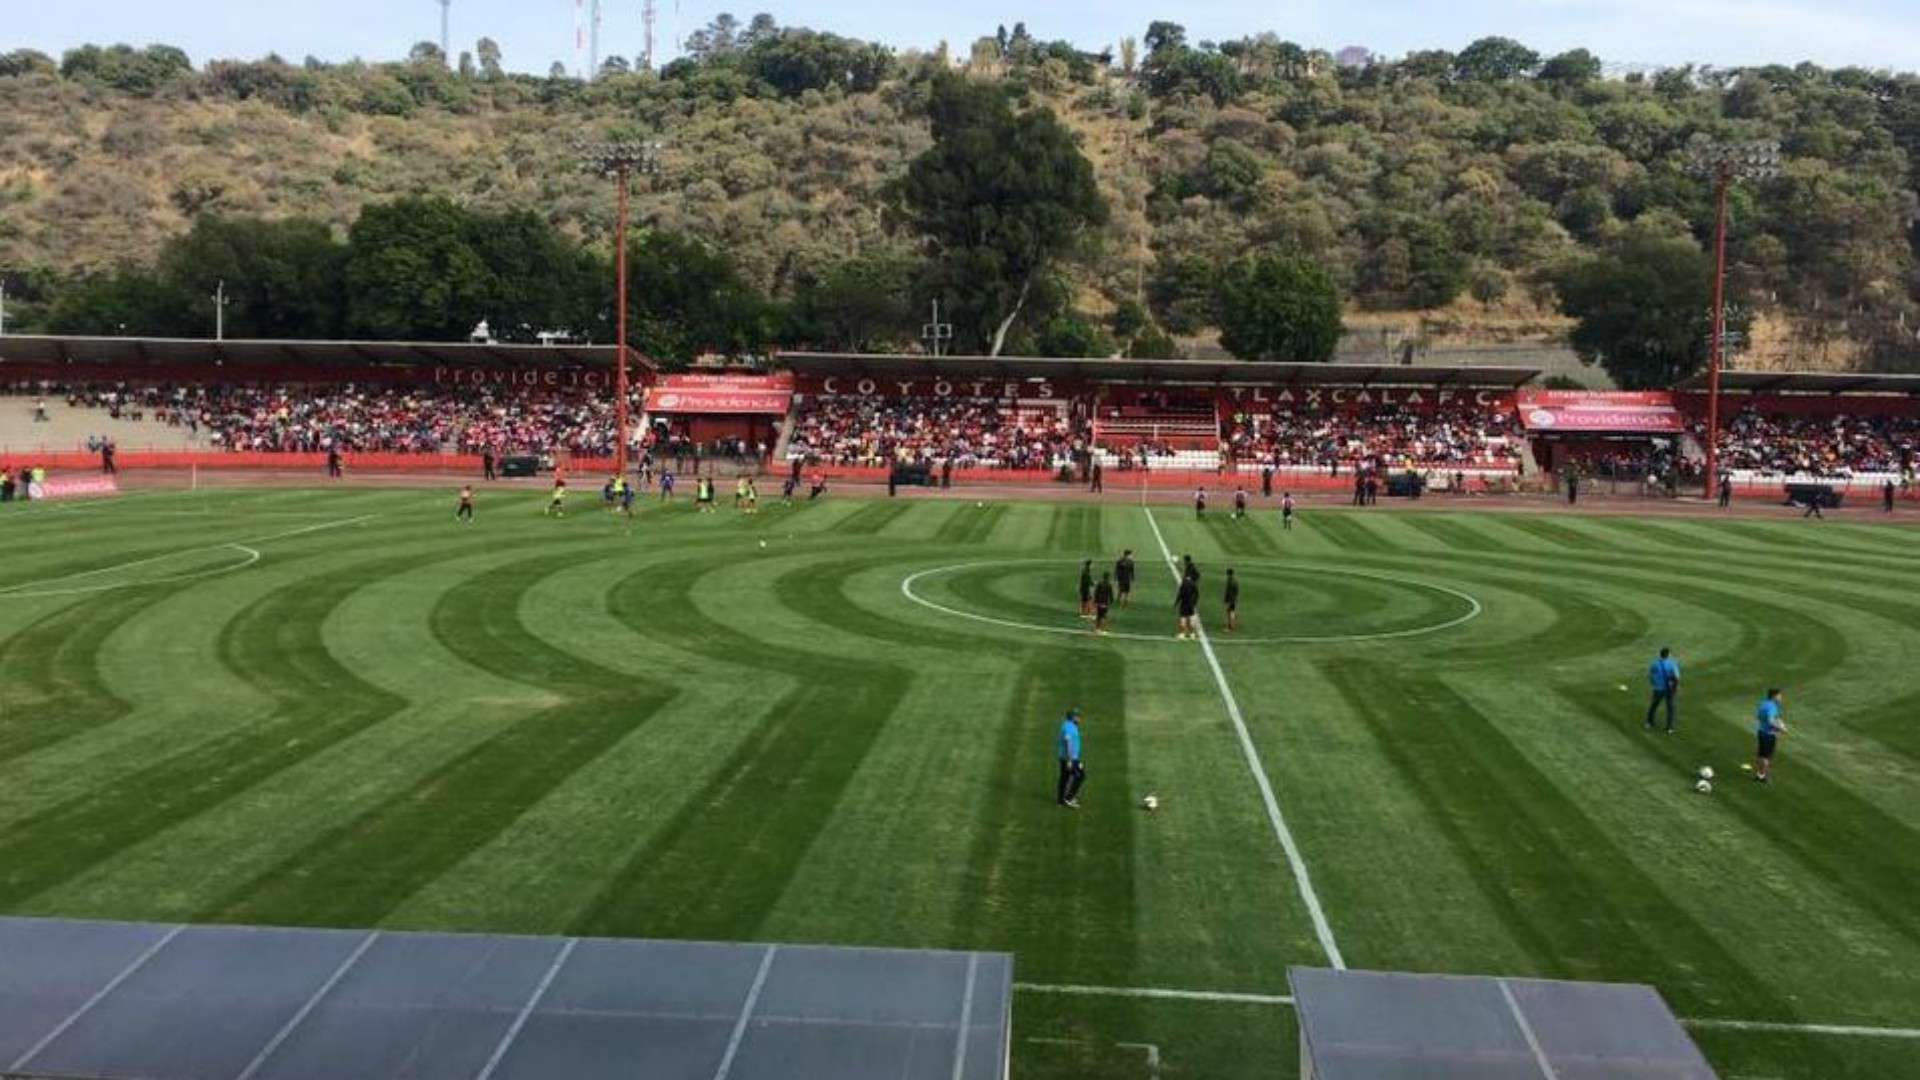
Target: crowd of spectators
365, 417
1385, 438
1828, 446
967, 432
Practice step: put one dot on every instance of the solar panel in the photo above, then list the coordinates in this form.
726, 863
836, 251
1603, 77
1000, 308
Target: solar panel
1368, 1025
104, 999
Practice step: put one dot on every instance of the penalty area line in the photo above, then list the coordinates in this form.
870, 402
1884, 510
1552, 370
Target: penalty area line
1321, 928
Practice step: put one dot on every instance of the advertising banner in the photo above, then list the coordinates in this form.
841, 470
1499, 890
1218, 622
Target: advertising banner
1635, 412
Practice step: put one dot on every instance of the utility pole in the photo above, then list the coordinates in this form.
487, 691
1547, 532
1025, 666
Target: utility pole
1724, 163
619, 160
220, 312
3, 306
446, 40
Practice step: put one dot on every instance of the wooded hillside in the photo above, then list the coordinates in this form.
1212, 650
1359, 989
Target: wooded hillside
1464, 184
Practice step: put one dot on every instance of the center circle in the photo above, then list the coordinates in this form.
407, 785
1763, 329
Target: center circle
1300, 605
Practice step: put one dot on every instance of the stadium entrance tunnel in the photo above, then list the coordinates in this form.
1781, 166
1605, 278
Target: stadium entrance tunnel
1280, 603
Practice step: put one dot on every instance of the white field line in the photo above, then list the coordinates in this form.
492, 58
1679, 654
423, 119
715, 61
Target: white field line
1473, 611
1157, 992
30, 589
1235, 997
1302, 879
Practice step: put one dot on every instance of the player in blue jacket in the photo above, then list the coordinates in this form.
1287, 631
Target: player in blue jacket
1664, 676
1073, 772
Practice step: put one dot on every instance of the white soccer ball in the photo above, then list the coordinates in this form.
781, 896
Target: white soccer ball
763, 543
1705, 773
1704, 787
980, 505
1151, 802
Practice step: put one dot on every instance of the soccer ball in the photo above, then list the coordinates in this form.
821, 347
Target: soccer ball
1704, 787
1705, 773
763, 543
1151, 802
1623, 688
980, 505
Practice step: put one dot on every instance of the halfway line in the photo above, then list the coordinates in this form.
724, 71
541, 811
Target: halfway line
1300, 876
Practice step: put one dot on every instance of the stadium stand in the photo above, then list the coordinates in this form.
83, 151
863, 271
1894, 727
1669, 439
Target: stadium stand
1838, 446
970, 432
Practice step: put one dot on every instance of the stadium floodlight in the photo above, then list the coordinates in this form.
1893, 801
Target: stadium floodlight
620, 160
1724, 163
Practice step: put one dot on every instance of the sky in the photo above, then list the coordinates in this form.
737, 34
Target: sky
535, 33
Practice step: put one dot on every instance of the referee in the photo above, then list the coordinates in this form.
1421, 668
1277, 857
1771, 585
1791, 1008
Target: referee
1073, 772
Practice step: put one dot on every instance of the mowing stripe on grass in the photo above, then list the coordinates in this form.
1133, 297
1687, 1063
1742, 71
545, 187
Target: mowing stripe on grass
1300, 876
768, 799
970, 524
871, 518
1553, 532
1596, 915
1452, 533
1346, 534
1043, 880
275, 644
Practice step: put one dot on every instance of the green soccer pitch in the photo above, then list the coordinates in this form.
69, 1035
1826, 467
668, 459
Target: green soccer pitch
834, 723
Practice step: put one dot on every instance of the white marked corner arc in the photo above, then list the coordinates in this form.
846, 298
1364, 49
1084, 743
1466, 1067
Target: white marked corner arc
1474, 609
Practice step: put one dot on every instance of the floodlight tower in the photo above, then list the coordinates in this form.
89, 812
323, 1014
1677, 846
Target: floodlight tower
1724, 162
620, 160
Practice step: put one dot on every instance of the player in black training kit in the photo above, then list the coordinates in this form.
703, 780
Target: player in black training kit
1086, 589
1186, 602
1102, 603
1232, 600
1123, 576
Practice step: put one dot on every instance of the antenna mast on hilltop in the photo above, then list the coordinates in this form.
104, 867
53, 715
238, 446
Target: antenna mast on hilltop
579, 34
446, 42
593, 43
647, 16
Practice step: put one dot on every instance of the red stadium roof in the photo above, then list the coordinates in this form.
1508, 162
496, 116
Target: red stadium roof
263, 356
1190, 372
1807, 382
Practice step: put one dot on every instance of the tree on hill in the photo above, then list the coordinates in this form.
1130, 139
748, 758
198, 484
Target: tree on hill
1001, 200
1495, 59
488, 52
1278, 307
1643, 309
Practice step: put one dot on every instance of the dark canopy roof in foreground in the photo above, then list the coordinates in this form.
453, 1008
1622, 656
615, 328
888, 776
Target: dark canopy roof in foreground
1192, 372
160, 352
1808, 382
171, 1003
1372, 1025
